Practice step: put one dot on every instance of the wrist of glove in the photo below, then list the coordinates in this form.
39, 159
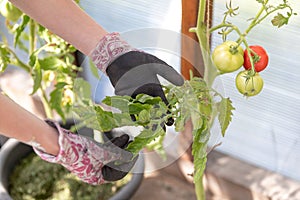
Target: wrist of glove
110, 47
92, 162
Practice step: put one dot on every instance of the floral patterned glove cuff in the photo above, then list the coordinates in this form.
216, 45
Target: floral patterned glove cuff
82, 156
110, 47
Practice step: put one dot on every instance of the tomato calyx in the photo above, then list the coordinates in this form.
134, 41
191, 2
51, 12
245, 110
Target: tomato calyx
248, 75
233, 49
228, 57
249, 84
256, 58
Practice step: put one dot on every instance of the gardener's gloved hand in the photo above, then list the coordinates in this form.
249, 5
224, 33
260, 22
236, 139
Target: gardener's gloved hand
130, 71
92, 163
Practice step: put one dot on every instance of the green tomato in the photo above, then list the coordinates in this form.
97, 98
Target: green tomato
249, 85
10, 12
228, 57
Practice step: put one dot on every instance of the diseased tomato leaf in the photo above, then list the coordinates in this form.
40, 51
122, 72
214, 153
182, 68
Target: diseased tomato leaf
279, 20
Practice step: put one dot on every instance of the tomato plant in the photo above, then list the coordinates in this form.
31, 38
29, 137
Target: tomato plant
259, 56
228, 57
249, 85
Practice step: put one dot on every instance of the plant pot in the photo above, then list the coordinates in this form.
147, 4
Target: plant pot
14, 151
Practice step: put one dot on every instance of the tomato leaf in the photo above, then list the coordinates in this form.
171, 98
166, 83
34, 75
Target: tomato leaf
56, 98
279, 20
50, 63
4, 58
145, 137
225, 109
82, 90
147, 99
119, 102
105, 119
157, 146
37, 76
20, 29
196, 120
261, 1
136, 108
94, 69
199, 151
180, 122
144, 117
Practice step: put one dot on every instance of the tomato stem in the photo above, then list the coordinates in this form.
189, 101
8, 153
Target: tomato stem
254, 21
233, 49
18, 62
32, 37
250, 57
202, 33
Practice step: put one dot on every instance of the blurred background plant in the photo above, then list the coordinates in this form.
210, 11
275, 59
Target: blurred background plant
48, 59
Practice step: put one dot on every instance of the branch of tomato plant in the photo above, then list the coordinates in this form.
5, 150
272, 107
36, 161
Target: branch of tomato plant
268, 12
18, 62
27, 68
46, 104
32, 36
203, 32
210, 73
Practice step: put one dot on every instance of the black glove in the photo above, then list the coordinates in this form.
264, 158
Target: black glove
137, 72
114, 171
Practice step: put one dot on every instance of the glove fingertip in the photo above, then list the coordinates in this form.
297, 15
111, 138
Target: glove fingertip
170, 122
121, 141
113, 172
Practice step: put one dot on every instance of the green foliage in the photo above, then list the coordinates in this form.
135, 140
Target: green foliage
4, 58
49, 60
19, 30
193, 101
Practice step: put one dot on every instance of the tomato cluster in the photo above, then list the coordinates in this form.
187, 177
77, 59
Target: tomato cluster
229, 57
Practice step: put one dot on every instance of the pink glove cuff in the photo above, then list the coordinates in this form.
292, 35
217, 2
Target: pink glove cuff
80, 155
110, 47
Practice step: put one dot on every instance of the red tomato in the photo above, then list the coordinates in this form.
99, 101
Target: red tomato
260, 58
